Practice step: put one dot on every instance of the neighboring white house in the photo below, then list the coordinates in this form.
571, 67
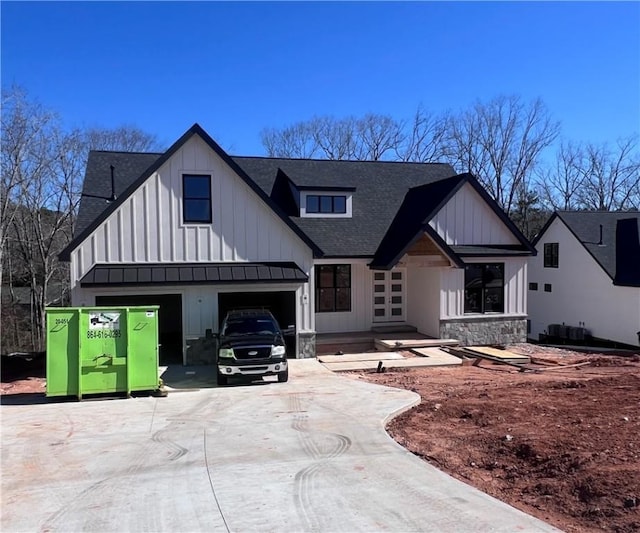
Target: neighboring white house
587, 275
328, 246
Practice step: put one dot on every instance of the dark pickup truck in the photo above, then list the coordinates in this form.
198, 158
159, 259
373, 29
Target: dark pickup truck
251, 344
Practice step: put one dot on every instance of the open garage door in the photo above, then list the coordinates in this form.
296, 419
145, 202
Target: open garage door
169, 320
282, 305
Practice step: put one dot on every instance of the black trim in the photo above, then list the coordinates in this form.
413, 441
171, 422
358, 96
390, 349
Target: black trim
186, 199
196, 129
490, 250
143, 274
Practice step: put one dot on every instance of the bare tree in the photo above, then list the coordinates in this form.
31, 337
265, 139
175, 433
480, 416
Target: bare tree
611, 176
424, 138
128, 138
377, 135
296, 141
501, 142
336, 139
42, 169
26, 126
561, 183
371, 137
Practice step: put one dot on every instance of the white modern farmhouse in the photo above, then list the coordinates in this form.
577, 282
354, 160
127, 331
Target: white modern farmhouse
585, 280
328, 246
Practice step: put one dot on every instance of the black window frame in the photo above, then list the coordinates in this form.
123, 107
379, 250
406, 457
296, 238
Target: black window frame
551, 254
191, 200
321, 210
548, 287
481, 297
533, 285
336, 292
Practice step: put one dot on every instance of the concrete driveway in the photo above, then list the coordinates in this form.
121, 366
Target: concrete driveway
307, 455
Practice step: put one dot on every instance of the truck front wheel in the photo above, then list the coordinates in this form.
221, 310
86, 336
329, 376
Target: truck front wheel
283, 376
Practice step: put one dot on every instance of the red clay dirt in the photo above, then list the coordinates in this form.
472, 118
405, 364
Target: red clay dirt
562, 445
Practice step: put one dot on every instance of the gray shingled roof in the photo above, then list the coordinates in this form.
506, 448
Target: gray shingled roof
380, 188
586, 227
97, 180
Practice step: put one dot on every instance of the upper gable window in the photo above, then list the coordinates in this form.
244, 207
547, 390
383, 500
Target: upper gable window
326, 204
196, 199
315, 204
551, 255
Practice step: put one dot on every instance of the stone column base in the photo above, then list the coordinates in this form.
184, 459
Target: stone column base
485, 330
306, 345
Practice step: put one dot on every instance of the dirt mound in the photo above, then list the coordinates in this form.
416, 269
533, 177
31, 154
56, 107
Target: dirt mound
562, 445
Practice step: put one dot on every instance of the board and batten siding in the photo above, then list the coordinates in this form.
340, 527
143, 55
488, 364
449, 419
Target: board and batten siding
582, 293
467, 219
148, 227
423, 299
515, 289
360, 317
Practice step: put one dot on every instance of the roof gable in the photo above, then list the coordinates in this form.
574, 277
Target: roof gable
418, 209
597, 231
137, 160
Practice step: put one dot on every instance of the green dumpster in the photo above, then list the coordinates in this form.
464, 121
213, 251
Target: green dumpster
95, 350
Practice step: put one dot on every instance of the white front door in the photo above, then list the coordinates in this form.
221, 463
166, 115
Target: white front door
388, 296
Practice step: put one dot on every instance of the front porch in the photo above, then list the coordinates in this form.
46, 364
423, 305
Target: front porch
377, 339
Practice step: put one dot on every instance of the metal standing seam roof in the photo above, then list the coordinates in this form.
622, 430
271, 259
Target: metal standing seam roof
192, 273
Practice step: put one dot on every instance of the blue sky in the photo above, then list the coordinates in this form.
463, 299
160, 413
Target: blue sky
237, 68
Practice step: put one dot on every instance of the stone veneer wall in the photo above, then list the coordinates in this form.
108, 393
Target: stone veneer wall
306, 345
499, 330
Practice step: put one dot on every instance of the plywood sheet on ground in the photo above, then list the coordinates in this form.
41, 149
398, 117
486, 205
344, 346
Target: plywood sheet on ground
505, 355
437, 357
394, 344
351, 357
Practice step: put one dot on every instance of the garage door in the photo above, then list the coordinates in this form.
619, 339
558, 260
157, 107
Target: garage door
169, 318
282, 305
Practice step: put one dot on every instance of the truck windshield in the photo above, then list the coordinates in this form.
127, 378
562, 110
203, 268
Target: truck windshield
249, 326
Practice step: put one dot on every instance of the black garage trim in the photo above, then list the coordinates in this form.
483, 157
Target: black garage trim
192, 273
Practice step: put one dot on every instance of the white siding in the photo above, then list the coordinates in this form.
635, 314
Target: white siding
467, 219
148, 228
515, 288
582, 294
423, 299
361, 315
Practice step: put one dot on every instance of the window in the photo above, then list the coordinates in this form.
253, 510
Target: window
333, 288
196, 199
484, 288
551, 255
547, 287
533, 286
326, 204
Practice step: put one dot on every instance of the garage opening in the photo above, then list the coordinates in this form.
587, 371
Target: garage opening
169, 320
282, 305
